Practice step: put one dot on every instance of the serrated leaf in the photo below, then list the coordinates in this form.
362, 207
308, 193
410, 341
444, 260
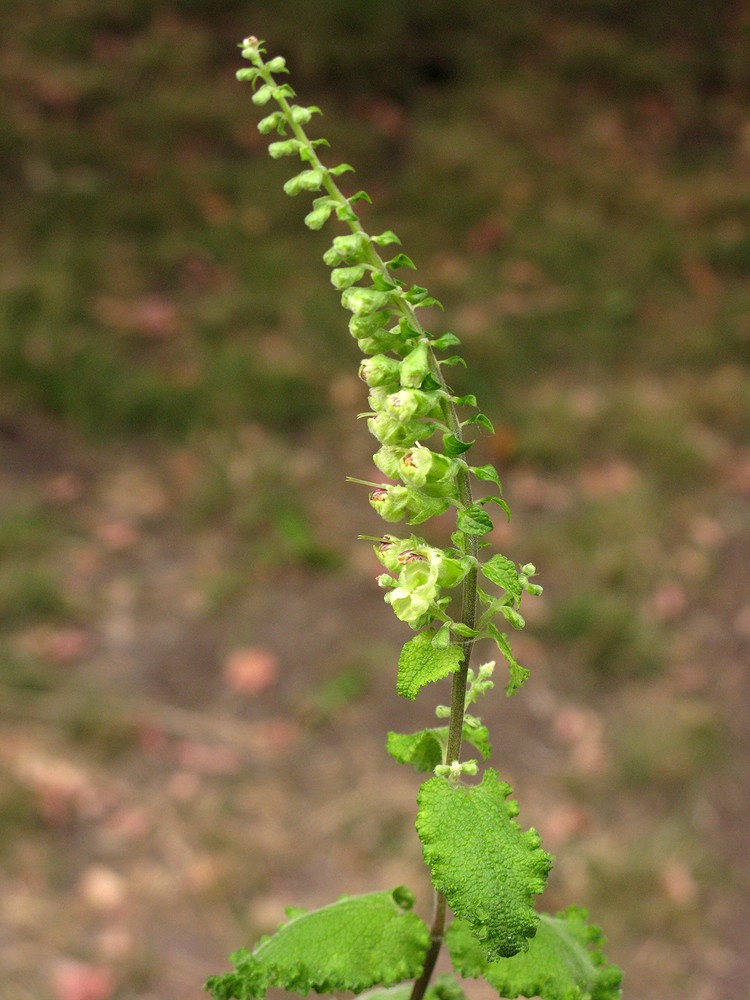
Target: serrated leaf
518, 674
453, 446
424, 750
564, 961
502, 571
355, 943
485, 866
474, 520
420, 664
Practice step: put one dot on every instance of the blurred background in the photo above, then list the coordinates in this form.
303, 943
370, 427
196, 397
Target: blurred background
196, 669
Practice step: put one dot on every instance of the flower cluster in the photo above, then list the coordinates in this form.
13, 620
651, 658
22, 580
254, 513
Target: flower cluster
408, 397
417, 575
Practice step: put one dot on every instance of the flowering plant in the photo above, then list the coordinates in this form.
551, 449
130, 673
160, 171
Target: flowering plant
484, 867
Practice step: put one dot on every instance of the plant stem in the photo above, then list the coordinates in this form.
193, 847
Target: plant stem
455, 730
469, 591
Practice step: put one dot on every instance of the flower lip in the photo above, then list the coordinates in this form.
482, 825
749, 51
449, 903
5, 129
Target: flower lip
411, 556
379, 494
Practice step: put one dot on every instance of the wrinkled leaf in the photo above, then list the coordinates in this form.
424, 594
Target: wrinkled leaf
355, 943
564, 961
420, 663
488, 869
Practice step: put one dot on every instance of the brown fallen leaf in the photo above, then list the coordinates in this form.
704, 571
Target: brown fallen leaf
250, 671
73, 980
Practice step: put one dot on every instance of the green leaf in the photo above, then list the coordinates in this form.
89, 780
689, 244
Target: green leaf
502, 571
488, 474
401, 260
453, 360
486, 867
342, 168
425, 750
361, 196
474, 520
443, 637
420, 664
386, 238
518, 674
446, 340
500, 503
465, 631
511, 615
453, 446
564, 961
444, 988
344, 213
482, 421
275, 120
355, 943
469, 400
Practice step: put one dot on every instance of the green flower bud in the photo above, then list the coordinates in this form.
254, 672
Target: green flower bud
345, 277
385, 580
277, 64
286, 148
308, 180
364, 301
379, 370
301, 116
349, 249
422, 507
406, 404
376, 398
318, 217
420, 467
452, 571
390, 502
384, 341
387, 459
272, 121
263, 94
372, 325
388, 430
415, 367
